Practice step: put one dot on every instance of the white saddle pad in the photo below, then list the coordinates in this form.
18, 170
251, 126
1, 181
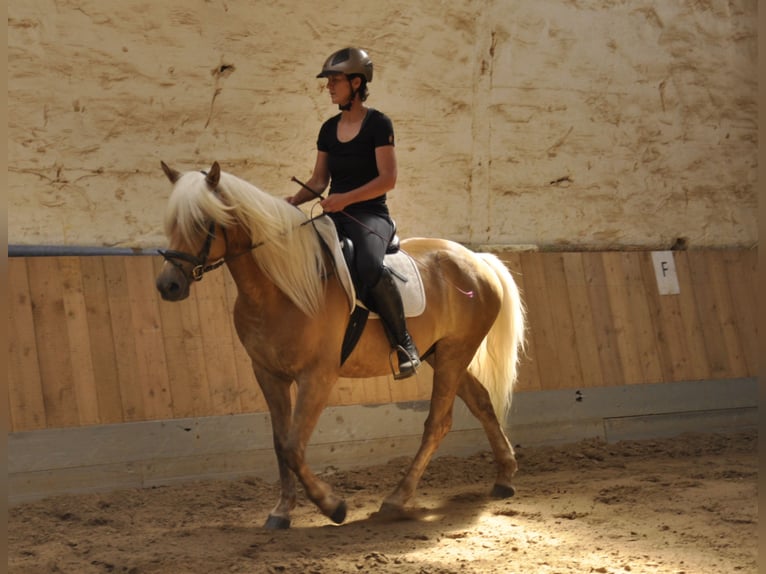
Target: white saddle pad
403, 266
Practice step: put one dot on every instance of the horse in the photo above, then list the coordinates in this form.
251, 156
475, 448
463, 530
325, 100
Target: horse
291, 313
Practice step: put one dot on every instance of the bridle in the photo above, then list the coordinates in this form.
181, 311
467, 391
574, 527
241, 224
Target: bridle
199, 261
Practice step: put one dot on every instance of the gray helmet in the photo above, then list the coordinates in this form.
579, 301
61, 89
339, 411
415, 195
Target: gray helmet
348, 61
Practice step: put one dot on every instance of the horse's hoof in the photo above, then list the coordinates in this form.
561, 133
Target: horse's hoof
389, 511
277, 523
503, 491
339, 515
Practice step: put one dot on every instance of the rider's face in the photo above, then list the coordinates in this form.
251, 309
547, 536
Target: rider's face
339, 87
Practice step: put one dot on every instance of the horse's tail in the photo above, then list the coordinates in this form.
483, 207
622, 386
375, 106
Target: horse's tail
495, 363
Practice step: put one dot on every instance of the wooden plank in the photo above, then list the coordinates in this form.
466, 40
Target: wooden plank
620, 307
347, 392
185, 357
402, 393
741, 273
49, 315
126, 360
643, 333
529, 374
215, 318
26, 404
665, 314
719, 282
84, 378
722, 364
603, 325
378, 390
698, 360
582, 317
101, 339
570, 372
541, 330
152, 370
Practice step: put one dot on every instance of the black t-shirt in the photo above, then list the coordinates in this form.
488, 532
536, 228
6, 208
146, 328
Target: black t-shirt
352, 163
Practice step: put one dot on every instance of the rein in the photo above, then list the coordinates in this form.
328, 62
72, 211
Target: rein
351, 217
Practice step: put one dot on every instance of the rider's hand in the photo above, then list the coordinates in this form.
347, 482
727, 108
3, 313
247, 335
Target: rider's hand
333, 203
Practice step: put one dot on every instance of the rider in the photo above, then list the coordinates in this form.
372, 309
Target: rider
355, 155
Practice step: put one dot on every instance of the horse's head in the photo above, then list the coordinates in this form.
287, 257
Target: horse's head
193, 243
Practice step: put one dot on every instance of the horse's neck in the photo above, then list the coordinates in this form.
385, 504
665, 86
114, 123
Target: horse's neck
252, 283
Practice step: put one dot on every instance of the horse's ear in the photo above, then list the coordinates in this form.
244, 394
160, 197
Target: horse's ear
172, 174
214, 175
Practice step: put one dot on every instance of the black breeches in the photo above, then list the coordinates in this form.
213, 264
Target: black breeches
370, 234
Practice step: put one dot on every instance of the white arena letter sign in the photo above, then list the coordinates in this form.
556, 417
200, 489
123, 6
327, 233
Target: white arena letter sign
665, 272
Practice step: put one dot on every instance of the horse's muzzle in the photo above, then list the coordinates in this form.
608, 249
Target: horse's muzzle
172, 284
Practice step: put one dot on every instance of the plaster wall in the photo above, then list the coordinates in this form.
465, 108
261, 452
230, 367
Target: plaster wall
586, 124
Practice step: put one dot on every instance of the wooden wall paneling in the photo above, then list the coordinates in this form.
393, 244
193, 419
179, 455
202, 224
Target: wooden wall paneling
92, 343
529, 374
347, 392
741, 273
250, 395
215, 320
101, 339
378, 390
151, 369
371, 390
565, 337
78, 331
541, 331
52, 342
582, 319
620, 306
26, 405
665, 313
644, 331
185, 356
603, 325
413, 389
717, 272
699, 362
126, 359
710, 315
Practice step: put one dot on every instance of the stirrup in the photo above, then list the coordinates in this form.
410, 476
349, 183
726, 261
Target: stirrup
403, 374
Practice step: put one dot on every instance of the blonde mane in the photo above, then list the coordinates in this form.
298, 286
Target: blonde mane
290, 255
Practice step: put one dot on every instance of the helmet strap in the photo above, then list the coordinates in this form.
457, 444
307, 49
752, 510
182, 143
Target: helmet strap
347, 106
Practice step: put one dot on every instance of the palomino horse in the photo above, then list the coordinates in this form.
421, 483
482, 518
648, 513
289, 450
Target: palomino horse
291, 314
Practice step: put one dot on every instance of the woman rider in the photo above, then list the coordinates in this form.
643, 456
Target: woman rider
355, 156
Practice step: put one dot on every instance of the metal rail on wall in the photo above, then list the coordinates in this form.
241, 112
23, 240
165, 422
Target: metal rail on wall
74, 251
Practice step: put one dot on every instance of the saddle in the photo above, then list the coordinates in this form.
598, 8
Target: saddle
401, 265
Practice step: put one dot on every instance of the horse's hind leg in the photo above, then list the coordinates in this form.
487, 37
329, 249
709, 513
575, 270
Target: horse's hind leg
476, 398
437, 425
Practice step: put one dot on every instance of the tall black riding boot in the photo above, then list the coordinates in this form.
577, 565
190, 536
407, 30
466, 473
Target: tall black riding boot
388, 304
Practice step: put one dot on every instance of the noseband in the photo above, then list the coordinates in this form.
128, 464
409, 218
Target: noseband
200, 268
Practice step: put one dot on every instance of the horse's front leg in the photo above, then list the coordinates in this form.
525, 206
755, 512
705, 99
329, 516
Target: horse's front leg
313, 392
276, 391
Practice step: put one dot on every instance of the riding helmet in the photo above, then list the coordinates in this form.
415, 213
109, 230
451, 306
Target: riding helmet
348, 61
